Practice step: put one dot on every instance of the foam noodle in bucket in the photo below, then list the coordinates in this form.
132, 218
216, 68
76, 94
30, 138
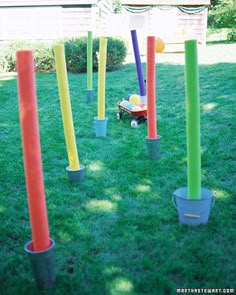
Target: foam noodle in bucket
66, 107
89, 61
151, 89
102, 77
32, 150
192, 120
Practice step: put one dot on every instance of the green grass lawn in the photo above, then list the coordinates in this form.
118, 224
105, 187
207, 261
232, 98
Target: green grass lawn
118, 233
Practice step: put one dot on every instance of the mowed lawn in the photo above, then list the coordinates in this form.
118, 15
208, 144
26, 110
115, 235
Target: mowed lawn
118, 232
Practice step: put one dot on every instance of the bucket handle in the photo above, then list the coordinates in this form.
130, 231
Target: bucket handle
194, 216
174, 201
213, 201
175, 205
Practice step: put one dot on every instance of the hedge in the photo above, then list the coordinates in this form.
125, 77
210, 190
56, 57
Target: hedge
43, 56
75, 50
76, 54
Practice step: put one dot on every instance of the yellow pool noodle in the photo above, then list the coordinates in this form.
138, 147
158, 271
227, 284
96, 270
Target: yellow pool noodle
102, 77
66, 111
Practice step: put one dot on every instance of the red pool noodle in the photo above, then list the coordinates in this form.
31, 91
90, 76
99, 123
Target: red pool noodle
151, 88
32, 150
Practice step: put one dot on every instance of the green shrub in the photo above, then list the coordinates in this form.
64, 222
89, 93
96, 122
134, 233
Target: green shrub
222, 15
116, 53
2, 59
75, 50
232, 35
43, 55
76, 54
8, 63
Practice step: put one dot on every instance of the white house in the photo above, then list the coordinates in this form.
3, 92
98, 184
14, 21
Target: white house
51, 19
172, 20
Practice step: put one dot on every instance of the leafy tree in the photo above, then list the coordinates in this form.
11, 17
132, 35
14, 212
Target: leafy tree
117, 5
214, 3
222, 14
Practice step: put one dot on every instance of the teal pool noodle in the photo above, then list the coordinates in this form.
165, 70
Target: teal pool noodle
192, 120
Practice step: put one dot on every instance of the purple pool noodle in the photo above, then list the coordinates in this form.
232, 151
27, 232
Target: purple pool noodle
142, 89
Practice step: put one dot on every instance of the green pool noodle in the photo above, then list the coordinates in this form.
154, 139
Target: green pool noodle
89, 61
193, 120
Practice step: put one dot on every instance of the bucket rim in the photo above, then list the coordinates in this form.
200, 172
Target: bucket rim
96, 119
29, 245
182, 193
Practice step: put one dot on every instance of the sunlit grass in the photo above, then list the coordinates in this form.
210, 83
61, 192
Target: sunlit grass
143, 188
101, 206
209, 106
221, 194
96, 166
121, 286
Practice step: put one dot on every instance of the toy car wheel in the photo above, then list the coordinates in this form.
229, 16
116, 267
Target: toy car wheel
134, 123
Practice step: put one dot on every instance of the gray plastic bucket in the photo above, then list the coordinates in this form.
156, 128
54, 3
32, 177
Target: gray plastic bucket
193, 212
153, 148
43, 265
100, 127
90, 95
76, 176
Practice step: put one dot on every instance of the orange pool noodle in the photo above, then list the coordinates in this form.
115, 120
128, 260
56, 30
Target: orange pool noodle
32, 150
151, 88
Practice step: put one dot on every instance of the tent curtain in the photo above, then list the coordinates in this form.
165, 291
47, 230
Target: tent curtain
185, 9
137, 9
